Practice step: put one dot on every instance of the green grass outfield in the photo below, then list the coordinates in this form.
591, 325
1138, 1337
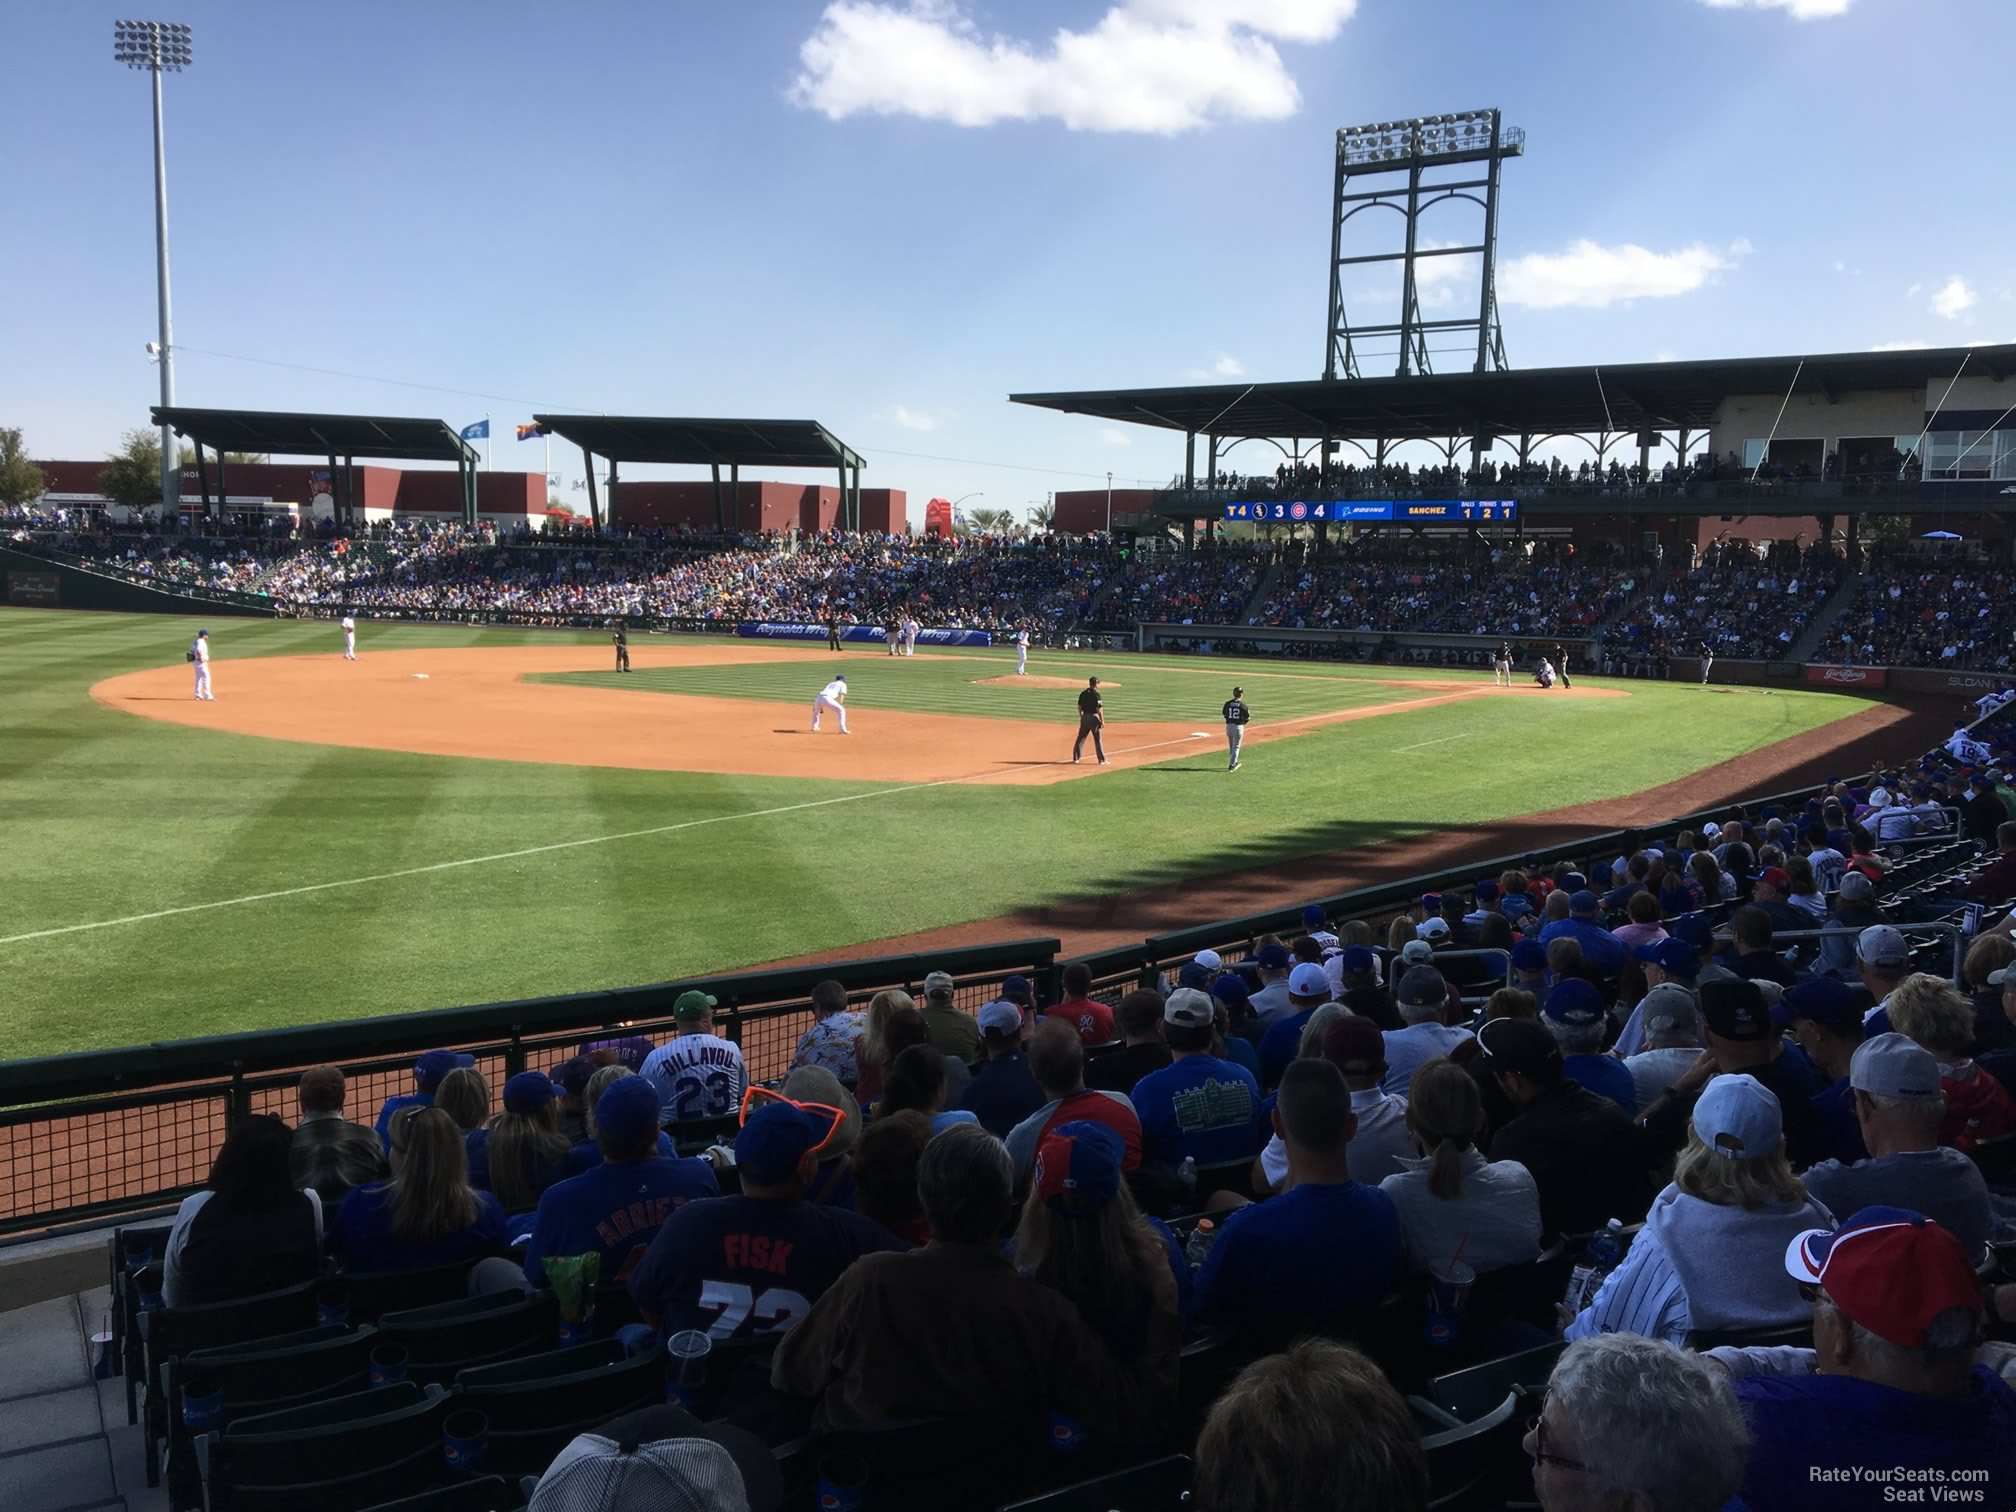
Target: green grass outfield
106, 817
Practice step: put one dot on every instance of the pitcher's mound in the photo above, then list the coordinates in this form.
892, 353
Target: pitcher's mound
1031, 680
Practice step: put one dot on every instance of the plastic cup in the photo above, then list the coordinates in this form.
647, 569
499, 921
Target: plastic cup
574, 1333
686, 1355
843, 1483
388, 1365
1449, 1288
104, 1367
1067, 1434
332, 1307
465, 1441
202, 1402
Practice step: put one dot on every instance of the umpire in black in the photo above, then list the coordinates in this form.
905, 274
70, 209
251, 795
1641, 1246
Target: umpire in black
1561, 664
622, 640
1236, 714
1091, 718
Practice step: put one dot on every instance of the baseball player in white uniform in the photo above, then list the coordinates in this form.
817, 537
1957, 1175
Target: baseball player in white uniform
910, 629
833, 696
199, 653
1022, 651
349, 638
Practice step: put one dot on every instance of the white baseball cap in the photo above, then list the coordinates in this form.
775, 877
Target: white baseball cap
1309, 980
1433, 927
1894, 1065
1190, 1009
1738, 1117
1000, 1017
1883, 945
709, 1467
1209, 958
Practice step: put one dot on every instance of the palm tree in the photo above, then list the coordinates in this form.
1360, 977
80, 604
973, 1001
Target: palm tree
1042, 516
992, 521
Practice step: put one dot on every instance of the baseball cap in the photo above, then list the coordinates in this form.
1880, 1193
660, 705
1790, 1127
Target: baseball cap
1312, 915
938, 981
692, 1005
1529, 955
1271, 958
1840, 840
1883, 947
1016, 989
1422, 986
528, 1092
1433, 928
1710, 830
1739, 1117
703, 1467
1999, 978
1894, 1065
1735, 1009
1825, 1001
1775, 876
1573, 882
1582, 902
1417, 953
1190, 974
1890, 1270
574, 1075
628, 1108
435, 1064
1309, 980
1674, 957
1879, 797
776, 1136
1078, 1166
1354, 1046
1857, 888
840, 677
1431, 902
1189, 1009
1486, 890
1355, 958
1693, 929
1210, 960
1230, 989
1574, 1002
1669, 1007
1000, 1017
1518, 1046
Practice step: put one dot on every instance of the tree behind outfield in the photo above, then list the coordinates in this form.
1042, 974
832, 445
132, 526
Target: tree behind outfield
132, 474
21, 481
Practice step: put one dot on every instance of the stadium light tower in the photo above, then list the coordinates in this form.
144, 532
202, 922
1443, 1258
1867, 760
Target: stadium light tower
158, 47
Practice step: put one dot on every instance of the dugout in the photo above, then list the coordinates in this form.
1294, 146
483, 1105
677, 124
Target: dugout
293, 433
715, 444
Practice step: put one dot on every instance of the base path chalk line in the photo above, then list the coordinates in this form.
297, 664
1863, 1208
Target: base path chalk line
518, 855
1439, 740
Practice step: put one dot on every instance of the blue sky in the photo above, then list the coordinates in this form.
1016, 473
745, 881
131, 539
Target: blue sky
887, 216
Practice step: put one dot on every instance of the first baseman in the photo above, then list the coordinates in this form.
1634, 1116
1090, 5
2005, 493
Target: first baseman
349, 638
1236, 714
1022, 651
199, 653
833, 696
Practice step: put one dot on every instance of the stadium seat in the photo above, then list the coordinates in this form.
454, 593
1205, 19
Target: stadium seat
1466, 1463
372, 1294
1161, 1485
134, 1249
1235, 1176
258, 1377
453, 1336
694, 1135
488, 1493
537, 1403
1475, 1392
339, 1455
614, 1308
920, 1461
169, 1332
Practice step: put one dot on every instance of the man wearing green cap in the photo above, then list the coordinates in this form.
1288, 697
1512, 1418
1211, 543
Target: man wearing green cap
698, 1073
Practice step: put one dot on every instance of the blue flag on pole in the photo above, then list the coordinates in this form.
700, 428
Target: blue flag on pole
480, 431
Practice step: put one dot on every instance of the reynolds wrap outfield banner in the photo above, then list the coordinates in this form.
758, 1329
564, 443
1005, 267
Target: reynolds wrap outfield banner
870, 633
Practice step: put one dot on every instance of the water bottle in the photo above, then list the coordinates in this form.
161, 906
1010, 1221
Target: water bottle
1187, 1174
1605, 1250
1200, 1242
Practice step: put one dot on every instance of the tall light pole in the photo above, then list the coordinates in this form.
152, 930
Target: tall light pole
1109, 503
159, 46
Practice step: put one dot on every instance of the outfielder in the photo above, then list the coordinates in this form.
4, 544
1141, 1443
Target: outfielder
1236, 714
833, 696
1501, 664
1022, 651
199, 653
349, 638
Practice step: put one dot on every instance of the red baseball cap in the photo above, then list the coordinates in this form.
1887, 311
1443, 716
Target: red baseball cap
1891, 1270
1776, 876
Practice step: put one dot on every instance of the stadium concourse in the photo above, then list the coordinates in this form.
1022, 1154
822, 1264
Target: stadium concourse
1740, 1093
1914, 605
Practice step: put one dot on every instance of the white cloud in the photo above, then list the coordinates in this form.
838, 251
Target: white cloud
1226, 366
1953, 298
1900, 346
1802, 10
1434, 277
1913, 291
1112, 435
1158, 66
1741, 247
1840, 266
911, 419
1591, 277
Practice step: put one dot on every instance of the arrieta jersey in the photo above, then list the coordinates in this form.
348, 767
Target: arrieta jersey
833, 689
1236, 711
745, 1265
698, 1076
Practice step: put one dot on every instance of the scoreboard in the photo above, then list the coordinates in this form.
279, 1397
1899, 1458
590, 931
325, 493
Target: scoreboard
1403, 511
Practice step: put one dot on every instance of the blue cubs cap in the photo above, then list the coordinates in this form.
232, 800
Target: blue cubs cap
1230, 989
435, 1064
1827, 1002
628, 1109
1190, 974
1431, 902
528, 1092
777, 1136
1582, 901
1016, 989
574, 1075
1271, 958
1693, 929
1078, 1166
1529, 955
840, 677
1356, 958
1574, 882
1486, 890
1673, 956
1574, 1002
1313, 916
1769, 811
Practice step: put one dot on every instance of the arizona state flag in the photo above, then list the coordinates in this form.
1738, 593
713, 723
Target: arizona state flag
530, 432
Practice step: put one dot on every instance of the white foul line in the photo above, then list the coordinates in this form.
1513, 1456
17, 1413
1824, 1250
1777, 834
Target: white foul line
532, 850
1439, 740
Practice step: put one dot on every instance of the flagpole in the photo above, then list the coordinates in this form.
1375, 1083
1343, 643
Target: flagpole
486, 441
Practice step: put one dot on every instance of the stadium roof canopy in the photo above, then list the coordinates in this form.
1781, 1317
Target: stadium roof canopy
292, 434
1533, 402
709, 443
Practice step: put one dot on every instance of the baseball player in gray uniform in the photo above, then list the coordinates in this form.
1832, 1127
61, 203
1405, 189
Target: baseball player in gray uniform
199, 653
1236, 714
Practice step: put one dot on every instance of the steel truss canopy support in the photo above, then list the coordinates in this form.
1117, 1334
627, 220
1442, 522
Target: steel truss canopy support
1409, 167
